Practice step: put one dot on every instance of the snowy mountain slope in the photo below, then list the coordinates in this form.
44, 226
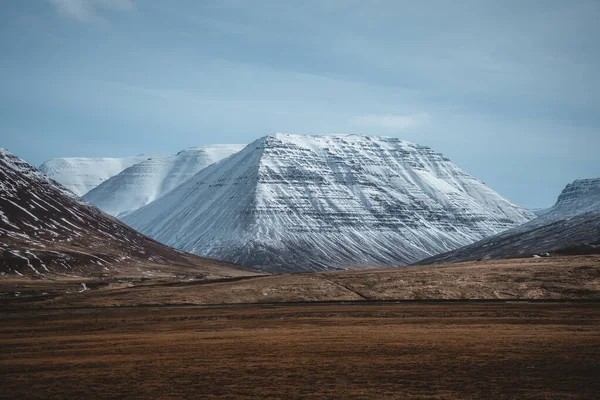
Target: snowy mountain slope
81, 175
298, 203
45, 230
146, 181
572, 225
579, 197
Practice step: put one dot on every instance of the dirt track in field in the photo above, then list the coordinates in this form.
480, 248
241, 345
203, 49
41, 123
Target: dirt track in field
493, 350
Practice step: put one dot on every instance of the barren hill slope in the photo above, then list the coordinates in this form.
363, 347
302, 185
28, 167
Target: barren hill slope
45, 231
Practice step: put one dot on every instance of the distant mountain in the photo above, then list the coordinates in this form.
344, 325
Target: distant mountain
571, 226
80, 175
580, 197
148, 180
45, 230
297, 203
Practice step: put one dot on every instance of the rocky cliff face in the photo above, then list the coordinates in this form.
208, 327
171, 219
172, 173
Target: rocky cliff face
571, 226
146, 181
46, 230
297, 203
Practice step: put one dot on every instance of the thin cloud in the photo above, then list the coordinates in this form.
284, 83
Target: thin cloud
390, 121
87, 10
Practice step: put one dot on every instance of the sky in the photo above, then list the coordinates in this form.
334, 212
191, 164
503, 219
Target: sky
509, 90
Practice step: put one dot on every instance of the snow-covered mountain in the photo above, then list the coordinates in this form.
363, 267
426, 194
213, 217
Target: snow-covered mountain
46, 230
579, 197
146, 181
571, 226
298, 203
80, 175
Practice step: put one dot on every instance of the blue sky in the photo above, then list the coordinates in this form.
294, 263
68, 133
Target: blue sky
509, 90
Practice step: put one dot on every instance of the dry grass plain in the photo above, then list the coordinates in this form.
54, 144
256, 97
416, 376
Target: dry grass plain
333, 335
494, 350
575, 277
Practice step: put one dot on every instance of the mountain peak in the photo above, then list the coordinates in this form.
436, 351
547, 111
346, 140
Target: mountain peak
146, 181
294, 202
341, 137
581, 195
81, 174
580, 188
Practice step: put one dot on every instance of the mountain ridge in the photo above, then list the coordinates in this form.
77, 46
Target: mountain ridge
82, 174
47, 231
140, 184
570, 226
289, 203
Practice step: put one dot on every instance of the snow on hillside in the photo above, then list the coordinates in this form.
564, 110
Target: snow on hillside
46, 230
81, 175
296, 203
146, 181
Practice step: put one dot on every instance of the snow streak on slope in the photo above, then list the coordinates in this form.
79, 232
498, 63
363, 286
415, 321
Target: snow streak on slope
572, 225
81, 175
296, 203
143, 183
46, 230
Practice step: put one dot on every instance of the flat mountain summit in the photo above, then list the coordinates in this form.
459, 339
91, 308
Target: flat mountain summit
288, 203
47, 231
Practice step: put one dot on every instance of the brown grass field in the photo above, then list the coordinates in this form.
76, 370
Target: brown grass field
565, 278
483, 350
370, 334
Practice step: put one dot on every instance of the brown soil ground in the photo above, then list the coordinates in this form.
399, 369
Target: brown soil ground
494, 350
